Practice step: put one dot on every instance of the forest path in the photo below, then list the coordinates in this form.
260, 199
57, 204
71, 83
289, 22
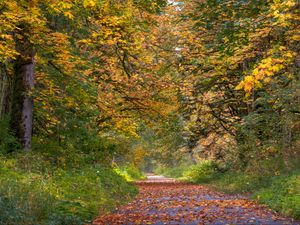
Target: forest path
166, 201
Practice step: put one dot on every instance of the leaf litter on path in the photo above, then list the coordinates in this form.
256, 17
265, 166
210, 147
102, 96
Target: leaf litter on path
166, 201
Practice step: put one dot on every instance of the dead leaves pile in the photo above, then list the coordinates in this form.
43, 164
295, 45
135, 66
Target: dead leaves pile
169, 202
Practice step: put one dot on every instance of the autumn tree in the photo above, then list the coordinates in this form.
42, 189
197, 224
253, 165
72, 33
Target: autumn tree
95, 65
227, 46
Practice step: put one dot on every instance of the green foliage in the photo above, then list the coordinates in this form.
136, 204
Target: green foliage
271, 132
130, 172
201, 172
174, 172
282, 195
280, 192
238, 182
93, 150
8, 142
57, 195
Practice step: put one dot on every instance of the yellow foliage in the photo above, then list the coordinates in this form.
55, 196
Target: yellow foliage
277, 59
89, 3
69, 15
138, 156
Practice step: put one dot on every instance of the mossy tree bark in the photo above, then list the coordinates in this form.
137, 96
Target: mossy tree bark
22, 102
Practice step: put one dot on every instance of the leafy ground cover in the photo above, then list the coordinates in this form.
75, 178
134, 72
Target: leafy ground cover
57, 196
280, 192
166, 201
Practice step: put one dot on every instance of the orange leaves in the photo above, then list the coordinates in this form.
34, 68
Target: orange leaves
12, 15
97, 45
34, 23
165, 201
7, 48
122, 63
247, 84
60, 43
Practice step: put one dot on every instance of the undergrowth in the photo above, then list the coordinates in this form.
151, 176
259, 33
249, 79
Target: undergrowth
67, 183
130, 172
57, 195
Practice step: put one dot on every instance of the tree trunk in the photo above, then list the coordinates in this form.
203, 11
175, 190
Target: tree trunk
191, 154
22, 103
4, 92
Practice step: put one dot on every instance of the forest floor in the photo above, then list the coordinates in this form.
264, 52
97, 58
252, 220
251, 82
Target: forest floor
167, 201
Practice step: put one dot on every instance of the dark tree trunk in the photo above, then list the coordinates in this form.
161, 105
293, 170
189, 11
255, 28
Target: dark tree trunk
4, 92
22, 102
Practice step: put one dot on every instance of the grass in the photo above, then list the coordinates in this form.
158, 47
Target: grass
279, 192
56, 195
53, 184
283, 194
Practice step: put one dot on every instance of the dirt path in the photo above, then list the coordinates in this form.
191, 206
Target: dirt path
166, 201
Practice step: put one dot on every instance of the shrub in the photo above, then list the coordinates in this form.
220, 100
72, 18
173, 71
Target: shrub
201, 172
176, 172
130, 172
134, 172
159, 170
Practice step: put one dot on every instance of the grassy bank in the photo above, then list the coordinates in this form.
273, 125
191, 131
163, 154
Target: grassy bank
280, 191
129, 172
34, 191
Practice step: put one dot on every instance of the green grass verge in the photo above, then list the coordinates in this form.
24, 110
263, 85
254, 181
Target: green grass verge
57, 196
281, 192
